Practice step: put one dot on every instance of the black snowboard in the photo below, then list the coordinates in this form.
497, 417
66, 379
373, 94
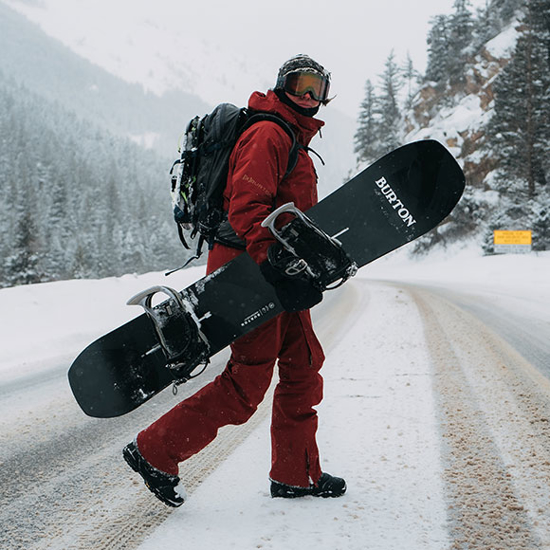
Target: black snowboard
396, 200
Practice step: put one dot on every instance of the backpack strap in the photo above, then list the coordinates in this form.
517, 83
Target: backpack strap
226, 234
259, 116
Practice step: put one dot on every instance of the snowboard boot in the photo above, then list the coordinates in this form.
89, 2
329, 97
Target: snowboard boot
164, 486
327, 486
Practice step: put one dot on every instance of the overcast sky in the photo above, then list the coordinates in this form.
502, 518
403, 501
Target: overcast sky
350, 38
346, 35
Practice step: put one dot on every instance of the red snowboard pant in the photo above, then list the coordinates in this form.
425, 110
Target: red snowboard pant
234, 396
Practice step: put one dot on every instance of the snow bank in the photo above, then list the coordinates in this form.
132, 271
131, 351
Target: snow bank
508, 276
374, 431
450, 124
45, 322
502, 45
378, 427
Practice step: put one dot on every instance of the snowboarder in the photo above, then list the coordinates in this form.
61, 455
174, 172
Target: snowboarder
255, 186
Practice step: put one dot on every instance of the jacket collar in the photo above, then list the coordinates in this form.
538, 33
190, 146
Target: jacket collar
304, 126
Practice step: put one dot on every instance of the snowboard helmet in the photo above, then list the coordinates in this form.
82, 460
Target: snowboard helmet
302, 74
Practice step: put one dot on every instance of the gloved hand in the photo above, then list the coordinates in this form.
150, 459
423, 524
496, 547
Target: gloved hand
294, 289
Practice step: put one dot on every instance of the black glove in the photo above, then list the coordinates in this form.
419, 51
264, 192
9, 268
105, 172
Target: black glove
294, 289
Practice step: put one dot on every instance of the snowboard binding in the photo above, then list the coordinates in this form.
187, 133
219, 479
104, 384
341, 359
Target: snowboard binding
178, 331
306, 250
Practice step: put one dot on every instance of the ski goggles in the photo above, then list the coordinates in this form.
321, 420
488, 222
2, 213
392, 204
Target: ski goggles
301, 83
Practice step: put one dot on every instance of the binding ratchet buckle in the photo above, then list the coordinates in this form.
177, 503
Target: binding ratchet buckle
178, 331
316, 254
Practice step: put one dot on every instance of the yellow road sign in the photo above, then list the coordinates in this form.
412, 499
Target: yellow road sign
513, 237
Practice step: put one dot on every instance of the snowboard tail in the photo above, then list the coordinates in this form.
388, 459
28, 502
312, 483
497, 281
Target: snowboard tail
397, 199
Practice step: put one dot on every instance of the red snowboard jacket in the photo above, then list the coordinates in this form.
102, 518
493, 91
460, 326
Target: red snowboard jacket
255, 183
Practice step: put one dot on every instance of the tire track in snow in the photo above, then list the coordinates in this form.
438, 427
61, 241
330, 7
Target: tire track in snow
62, 473
64, 483
494, 410
126, 523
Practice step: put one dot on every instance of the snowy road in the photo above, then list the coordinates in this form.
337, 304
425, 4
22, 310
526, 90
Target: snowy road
63, 482
493, 406
513, 320
437, 412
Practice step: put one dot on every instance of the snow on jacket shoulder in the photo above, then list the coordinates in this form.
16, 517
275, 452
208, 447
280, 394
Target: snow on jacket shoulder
255, 184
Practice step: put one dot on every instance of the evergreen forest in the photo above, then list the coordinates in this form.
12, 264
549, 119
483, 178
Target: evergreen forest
506, 157
80, 199
76, 200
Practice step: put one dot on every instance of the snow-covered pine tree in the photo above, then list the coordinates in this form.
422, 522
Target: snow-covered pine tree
518, 134
366, 143
22, 264
491, 20
519, 130
410, 77
437, 68
389, 127
506, 9
379, 124
80, 190
486, 25
460, 40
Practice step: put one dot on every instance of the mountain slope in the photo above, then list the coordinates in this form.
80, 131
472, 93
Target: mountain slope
459, 124
457, 115
158, 117
52, 70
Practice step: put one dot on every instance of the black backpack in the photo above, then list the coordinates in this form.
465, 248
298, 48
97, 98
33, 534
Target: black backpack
199, 176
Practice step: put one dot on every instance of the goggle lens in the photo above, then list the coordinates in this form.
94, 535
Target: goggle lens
299, 84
